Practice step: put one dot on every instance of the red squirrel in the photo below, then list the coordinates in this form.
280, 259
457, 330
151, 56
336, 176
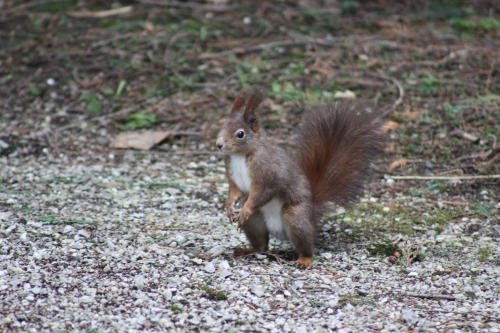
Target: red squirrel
286, 196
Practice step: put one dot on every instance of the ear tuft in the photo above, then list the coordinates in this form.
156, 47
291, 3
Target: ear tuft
240, 101
255, 97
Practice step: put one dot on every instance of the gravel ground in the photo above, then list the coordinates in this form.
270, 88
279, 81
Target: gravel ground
140, 243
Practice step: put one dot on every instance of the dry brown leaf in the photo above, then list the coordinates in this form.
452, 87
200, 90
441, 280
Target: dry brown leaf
389, 126
413, 115
139, 140
401, 163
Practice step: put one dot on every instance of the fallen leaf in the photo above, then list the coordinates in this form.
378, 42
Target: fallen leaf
139, 140
401, 163
389, 126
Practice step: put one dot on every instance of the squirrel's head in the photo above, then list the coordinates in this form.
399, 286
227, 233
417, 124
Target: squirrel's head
240, 131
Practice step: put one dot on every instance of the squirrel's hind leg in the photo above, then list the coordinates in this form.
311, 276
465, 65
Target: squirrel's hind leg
297, 219
257, 234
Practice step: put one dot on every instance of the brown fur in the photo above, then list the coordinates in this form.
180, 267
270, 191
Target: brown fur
336, 146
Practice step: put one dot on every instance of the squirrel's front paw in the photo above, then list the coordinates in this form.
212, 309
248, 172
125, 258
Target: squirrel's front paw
230, 213
243, 217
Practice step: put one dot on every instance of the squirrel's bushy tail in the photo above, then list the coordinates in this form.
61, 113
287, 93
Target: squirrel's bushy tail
337, 143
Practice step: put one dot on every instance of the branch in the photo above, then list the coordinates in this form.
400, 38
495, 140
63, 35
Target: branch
259, 47
442, 177
429, 296
101, 14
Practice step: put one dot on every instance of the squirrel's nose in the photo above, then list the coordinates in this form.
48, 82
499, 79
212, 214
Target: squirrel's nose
219, 143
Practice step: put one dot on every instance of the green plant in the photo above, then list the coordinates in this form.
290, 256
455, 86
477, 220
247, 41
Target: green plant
213, 293
120, 88
484, 209
317, 304
140, 120
383, 247
175, 308
150, 240
93, 103
484, 253
429, 84
34, 90
452, 110
481, 26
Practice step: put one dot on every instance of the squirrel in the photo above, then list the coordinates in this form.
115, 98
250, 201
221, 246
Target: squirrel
286, 196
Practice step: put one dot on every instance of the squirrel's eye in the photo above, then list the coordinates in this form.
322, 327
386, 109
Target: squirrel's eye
240, 134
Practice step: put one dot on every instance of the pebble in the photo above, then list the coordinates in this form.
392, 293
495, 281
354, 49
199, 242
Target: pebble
119, 275
209, 268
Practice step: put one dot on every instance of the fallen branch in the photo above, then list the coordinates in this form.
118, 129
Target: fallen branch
446, 202
429, 296
260, 47
442, 177
101, 14
183, 229
462, 313
170, 248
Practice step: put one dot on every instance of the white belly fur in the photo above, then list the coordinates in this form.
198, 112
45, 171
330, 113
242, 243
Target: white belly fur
272, 215
271, 210
239, 171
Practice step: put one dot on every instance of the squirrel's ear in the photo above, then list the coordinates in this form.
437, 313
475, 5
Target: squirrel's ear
239, 102
253, 103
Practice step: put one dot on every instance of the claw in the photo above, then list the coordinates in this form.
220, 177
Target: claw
303, 262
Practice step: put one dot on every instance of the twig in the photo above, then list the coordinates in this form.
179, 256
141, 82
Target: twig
101, 14
429, 296
272, 274
462, 134
462, 313
260, 47
170, 248
215, 8
183, 229
443, 177
279, 260
495, 158
400, 89
482, 155
108, 41
446, 202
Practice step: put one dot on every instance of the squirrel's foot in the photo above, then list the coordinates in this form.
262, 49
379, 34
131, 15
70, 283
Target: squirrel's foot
303, 262
241, 251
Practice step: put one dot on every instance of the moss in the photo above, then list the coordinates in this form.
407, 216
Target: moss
384, 247
484, 253
176, 308
214, 294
